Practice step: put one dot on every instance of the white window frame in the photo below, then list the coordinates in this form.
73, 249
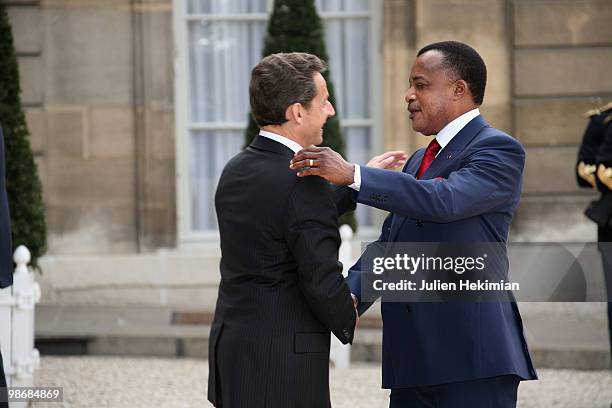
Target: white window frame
186, 236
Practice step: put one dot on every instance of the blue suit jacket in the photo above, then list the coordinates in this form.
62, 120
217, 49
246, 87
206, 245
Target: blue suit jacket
6, 253
468, 194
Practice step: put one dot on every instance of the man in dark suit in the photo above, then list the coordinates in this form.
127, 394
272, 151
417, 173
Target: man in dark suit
464, 188
282, 290
594, 170
6, 259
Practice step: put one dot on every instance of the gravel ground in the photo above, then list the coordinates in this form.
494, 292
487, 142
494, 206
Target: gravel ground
157, 382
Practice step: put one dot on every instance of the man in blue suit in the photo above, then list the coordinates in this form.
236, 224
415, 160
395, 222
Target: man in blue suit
464, 187
6, 263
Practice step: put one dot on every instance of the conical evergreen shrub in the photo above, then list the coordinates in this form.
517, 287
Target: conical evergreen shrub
22, 181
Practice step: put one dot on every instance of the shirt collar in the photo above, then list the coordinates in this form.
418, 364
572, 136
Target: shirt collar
293, 145
452, 128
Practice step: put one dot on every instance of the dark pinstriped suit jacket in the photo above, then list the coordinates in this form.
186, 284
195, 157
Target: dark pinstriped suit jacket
6, 259
281, 290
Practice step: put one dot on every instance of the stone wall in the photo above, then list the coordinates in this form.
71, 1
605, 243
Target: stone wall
547, 64
98, 89
410, 25
97, 81
98, 92
562, 59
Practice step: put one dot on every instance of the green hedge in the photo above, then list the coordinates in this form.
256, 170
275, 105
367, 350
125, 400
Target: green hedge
22, 181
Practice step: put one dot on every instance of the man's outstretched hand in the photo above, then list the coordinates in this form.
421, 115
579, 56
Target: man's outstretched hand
326, 163
388, 160
323, 162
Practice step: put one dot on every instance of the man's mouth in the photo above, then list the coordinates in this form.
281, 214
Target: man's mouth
413, 111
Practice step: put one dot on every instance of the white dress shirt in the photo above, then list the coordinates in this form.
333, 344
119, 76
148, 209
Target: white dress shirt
293, 145
443, 137
449, 131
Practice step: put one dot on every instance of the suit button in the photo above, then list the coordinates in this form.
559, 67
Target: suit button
346, 333
419, 224
408, 309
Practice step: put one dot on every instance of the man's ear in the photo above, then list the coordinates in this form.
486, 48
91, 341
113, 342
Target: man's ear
460, 90
294, 113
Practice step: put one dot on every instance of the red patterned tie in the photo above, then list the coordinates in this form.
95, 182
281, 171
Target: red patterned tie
428, 157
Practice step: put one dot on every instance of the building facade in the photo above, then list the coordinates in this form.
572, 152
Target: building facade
134, 107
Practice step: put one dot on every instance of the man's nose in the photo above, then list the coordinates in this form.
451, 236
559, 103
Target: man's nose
330, 110
410, 96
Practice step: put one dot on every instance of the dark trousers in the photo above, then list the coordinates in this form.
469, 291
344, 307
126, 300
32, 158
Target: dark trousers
3, 392
498, 392
605, 249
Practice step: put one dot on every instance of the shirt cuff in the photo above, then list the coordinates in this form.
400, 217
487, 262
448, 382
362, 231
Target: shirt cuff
357, 181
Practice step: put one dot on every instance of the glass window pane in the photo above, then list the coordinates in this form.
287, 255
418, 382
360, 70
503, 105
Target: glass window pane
357, 144
358, 150
357, 71
334, 41
199, 6
357, 5
210, 150
221, 55
349, 59
342, 5
328, 5
226, 6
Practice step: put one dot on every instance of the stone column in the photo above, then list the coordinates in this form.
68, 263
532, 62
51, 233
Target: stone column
398, 55
154, 123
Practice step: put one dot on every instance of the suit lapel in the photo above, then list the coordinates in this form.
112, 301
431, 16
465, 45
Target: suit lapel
444, 159
455, 147
412, 167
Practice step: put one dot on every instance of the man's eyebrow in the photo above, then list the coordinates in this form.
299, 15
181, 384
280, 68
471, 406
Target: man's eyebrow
417, 77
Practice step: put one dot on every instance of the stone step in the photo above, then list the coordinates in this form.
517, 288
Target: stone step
556, 339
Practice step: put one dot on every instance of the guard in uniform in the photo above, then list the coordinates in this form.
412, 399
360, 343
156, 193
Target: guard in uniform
594, 170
